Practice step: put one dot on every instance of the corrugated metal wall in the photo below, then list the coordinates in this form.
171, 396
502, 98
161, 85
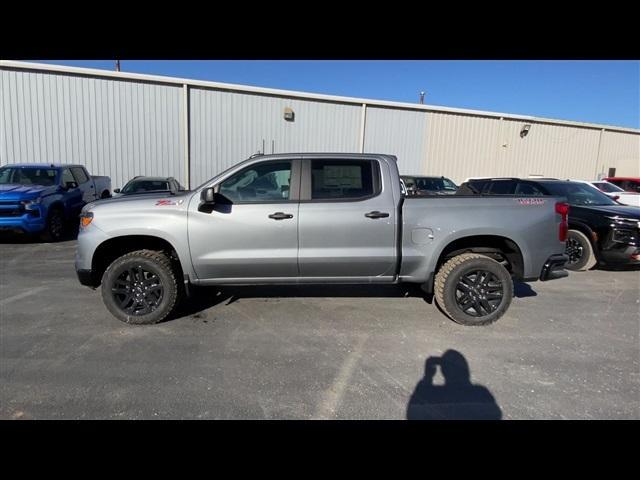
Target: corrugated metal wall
124, 127
397, 132
620, 150
227, 127
116, 128
462, 146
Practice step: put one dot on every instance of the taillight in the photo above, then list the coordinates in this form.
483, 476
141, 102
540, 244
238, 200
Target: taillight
563, 209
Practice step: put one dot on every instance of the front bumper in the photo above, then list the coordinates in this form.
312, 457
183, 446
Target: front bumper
86, 278
623, 255
554, 268
27, 223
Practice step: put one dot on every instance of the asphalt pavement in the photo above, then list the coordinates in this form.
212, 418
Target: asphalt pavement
566, 349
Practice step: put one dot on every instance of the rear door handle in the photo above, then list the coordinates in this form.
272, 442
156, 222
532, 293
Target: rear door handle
376, 214
280, 216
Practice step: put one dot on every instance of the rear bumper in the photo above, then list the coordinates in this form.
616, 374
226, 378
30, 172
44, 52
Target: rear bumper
554, 268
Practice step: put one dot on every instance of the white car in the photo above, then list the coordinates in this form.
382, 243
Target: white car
615, 192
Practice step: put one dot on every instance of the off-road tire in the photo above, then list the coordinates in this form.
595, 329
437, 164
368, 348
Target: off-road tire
153, 262
450, 274
588, 258
55, 227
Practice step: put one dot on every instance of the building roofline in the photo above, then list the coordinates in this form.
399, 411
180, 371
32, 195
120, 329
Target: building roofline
12, 64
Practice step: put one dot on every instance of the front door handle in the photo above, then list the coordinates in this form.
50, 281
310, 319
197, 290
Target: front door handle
376, 214
280, 216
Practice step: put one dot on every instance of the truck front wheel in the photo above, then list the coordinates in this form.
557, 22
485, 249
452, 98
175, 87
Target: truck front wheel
54, 229
140, 287
473, 289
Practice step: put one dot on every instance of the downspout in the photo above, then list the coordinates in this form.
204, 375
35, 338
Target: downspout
598, 154
363, 121
185, 134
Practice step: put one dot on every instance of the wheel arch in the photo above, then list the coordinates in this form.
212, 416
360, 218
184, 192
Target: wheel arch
493, 246
115, 247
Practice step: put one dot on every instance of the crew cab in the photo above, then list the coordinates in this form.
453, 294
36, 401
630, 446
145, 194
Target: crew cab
601, 230
420, 186
45, 198
142, 185
313, 219
615, 193
628, 184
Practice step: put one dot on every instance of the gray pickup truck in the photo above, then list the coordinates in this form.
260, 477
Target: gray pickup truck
317, 218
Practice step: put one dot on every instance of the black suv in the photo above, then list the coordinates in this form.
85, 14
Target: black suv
600, 229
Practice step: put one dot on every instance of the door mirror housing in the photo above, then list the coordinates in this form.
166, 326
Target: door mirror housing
117, 190
207, 196
70, 185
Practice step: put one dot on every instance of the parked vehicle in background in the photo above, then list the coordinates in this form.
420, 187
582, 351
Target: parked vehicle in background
628, 184
422, 186
600, 229
615, 193
144, 185
314, 219
46, 198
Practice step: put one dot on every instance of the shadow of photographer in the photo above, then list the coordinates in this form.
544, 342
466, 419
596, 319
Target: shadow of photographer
457, 399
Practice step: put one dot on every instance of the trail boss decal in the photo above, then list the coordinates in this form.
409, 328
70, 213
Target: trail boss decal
531, 201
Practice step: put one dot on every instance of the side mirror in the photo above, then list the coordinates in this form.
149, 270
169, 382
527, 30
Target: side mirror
207, 196
615, 198
70, 185
117, 190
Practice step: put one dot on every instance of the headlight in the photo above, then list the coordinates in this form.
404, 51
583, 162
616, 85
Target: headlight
30, 203
85, 219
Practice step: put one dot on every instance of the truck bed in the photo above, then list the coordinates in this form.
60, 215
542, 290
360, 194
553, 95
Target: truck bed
432, 223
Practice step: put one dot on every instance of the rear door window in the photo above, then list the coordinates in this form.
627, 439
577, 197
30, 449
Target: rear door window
529, 189
344, 179
81, 177
506, 187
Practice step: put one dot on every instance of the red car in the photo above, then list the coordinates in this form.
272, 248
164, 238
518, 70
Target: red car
629, 184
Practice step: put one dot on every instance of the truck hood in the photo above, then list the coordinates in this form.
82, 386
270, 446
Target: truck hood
15, 192
161, 200
610, 210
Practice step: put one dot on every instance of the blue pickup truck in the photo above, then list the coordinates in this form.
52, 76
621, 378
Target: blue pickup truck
46, 198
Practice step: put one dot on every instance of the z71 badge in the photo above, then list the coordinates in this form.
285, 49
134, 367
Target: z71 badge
163, 203
531, 201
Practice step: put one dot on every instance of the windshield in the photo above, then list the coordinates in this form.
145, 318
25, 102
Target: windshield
142, 186
607, 187
435, 184
28, 176
579, 193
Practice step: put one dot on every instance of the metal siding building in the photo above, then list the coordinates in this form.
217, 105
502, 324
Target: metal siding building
122, 125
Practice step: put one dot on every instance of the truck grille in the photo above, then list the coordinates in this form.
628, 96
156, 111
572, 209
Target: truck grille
11, 209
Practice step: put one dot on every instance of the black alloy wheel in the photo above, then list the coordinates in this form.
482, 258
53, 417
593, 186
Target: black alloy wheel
479, 293
137, 291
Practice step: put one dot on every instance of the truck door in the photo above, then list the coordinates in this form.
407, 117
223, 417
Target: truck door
73, 196
252, 230
85, 183
347, 219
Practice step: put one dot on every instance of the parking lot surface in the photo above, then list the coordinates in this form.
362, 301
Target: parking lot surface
566, 349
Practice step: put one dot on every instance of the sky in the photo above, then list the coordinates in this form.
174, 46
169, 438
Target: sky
605, 92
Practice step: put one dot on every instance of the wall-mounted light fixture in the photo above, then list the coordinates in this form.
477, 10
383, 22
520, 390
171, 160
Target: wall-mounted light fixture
525, 130
289, 116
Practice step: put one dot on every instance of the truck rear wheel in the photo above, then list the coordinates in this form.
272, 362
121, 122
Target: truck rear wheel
473, 289
140, 287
